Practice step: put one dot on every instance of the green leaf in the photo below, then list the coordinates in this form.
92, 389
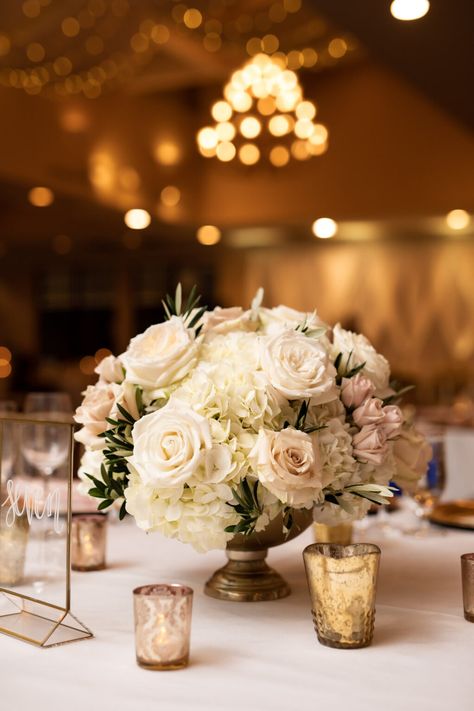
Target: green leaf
337, 362
104, 504
97, 493
125, 414
123, 511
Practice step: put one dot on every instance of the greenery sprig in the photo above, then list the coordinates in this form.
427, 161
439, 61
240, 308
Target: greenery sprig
345, 371
114, 470
191, 312
376, 493
300, 423
248, 507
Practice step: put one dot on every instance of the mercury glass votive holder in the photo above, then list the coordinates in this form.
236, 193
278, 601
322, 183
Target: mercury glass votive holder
88, 541
341, 533
467, 574
162, 625
342, 582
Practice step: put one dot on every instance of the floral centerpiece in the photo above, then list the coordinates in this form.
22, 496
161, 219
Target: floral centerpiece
213, 423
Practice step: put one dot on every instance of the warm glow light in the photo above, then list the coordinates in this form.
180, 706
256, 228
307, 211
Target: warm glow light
137, 219
300, 150
35, 52
305, 110
304, 128
279, 125
249, 154
192, 18
225, 151
319, 135
70, 27
409, 9
41, 197
266, 106
250, 127
279, 156
221, 111
207, 137
225, 131
324, 228
74, 120
278, 95
337, 48
208, 235
5, 354
5, 369
167, 153
87, 365
458, 219
241, 101
170, 196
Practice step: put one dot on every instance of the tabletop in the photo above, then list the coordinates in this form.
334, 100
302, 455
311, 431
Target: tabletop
262, 655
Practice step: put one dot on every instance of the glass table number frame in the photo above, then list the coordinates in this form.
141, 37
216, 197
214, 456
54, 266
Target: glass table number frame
28, 617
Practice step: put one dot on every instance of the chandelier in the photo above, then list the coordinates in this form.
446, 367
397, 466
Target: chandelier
263, 115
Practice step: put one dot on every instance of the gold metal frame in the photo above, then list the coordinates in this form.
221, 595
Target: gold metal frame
31, 619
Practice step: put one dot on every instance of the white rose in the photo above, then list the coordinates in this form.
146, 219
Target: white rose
226, 320
412, 454
282, 318
376, 366
96, 406
110, 370
299, 367
160, 356
169, 445
126, 397
287, 464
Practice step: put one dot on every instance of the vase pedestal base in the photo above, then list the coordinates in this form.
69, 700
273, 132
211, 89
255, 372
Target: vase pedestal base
246, 578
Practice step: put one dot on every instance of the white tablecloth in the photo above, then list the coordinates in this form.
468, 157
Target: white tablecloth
257, 656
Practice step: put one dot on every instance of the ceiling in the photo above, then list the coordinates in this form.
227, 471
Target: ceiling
90, 86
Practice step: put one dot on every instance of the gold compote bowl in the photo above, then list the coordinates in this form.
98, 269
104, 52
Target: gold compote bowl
246, 577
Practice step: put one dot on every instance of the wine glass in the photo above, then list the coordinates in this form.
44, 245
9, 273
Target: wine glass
8, 408
45, 446
431, 485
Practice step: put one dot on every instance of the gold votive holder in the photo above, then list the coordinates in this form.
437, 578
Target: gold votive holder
14, 534
341, 533
162, 625
467, 574
342, 583
88, 541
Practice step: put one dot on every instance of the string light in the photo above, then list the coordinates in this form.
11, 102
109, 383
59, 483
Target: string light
170, 196
263, 88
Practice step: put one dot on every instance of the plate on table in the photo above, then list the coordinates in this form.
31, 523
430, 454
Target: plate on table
457, 514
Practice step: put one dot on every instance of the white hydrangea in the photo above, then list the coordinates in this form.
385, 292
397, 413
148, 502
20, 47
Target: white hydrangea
376, 366
335, 447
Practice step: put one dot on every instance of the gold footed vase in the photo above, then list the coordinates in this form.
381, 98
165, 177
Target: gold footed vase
246, 577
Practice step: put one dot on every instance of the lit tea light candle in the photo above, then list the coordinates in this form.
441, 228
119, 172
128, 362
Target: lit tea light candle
88, 541
14, 534
162, 625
